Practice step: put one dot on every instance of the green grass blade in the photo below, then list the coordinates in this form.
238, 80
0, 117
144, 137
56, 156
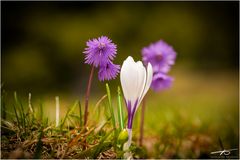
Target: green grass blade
112, 116
16, 114
88, 154
22, 114
110, 106
75, 116
120, 110
80, 114
17, 101
70, 110
41, 111
100, 146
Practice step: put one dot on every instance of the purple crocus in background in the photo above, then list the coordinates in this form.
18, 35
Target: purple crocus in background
100, 53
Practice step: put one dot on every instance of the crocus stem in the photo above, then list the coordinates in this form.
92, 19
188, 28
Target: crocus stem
129, 142
129, 137
126, 146
87, 95
142, 121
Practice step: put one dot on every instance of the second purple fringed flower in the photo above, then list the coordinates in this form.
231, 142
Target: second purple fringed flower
108, 71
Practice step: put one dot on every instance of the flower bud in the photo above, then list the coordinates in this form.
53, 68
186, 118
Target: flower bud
123, 136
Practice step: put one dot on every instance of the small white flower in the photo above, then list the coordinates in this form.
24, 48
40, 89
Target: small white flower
135, 81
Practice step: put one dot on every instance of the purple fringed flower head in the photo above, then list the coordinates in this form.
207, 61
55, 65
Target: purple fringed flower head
161, 55
108, 71
161, 81
100, 51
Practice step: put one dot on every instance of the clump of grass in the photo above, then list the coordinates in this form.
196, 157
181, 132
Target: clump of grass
170, 132
27, 133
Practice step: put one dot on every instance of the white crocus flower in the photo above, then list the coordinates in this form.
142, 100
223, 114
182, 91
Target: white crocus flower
135, 81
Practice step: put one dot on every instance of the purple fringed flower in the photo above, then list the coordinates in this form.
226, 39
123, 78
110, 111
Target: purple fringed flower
100, 51
161, 81
108, 71
160, 55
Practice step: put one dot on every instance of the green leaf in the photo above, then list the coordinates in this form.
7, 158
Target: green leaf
89, 152
16, 114
19, 105
80, 114
70, 110
112, 115
101, 146
110, 106
120, 109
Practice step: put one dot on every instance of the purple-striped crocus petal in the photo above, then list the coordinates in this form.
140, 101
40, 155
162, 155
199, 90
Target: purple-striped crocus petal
129, 109
135, 81
131, 113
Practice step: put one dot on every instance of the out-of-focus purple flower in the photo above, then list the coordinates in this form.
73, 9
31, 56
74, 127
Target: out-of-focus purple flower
160, 55
100, 51
161, 81
108, 71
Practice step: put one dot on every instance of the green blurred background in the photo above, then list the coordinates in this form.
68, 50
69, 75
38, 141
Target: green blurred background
42, 45
42, 42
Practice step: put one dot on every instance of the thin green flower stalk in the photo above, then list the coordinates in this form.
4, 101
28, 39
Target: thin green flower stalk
112, 114
110, 106
120, 110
